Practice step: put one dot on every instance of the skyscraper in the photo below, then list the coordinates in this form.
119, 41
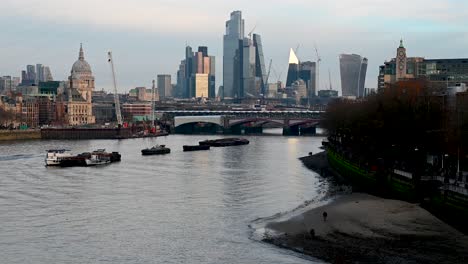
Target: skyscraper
31, 71
353, 69
293, 68
260, 70
305, 71
39, 73
196, 63
232, 55
164, 86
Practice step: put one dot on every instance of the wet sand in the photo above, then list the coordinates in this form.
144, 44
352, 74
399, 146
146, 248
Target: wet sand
362, 228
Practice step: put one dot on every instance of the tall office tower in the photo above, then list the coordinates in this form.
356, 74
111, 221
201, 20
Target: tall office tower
293, 69
260, 70
307, 72
353, 69
196, 63
212, 78
31, 74
24, 76
201, 81
248, 87
47, 74
188, 91
204, 50
180, 92
39, 73
232, 43
164, 86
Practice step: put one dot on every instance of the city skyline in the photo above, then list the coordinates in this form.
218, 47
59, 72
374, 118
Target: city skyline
365, 28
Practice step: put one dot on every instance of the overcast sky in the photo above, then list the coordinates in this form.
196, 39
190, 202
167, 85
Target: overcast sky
148, 37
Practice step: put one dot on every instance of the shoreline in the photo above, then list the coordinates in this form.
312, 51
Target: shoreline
366, 229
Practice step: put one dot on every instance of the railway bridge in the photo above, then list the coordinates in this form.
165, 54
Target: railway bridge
243, 122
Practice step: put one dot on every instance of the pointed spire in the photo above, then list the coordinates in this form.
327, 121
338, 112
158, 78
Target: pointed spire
293, 58
401, 43
81, 55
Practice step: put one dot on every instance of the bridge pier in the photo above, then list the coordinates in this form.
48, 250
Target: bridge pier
291, 131
308, 131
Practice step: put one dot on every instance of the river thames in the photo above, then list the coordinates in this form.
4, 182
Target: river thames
185, 207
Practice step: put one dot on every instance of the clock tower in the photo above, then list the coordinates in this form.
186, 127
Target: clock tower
401, 62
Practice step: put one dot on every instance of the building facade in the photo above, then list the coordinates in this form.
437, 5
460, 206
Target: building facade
164, 86
353, 70
305, 71
79, 107
196, 63
232, 41
439, 73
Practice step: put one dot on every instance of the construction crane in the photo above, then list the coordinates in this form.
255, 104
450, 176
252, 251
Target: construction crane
265, 85
116, 95
251, 31
297, 50
317, 85
329, 78
153, 89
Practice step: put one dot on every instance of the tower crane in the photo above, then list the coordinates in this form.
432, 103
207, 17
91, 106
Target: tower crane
153, 89
329, 78
317, 84
251, 31
265, 85
116, 95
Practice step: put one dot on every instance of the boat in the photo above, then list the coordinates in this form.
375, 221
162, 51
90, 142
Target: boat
54, 156
85, 159
97, 159
156, 150
195, 147
224, 142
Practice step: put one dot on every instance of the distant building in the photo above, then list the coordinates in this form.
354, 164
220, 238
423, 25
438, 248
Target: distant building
8, 83
164, 86
232, 54
201, 85
305, 71
439, 73
327, 93
136, 111
35, 74
79, 107
353, 70
195, 63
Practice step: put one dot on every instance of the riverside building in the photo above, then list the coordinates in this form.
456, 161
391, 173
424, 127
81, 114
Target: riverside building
439, 73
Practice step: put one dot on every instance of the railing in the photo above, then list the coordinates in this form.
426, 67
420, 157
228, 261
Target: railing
403, 173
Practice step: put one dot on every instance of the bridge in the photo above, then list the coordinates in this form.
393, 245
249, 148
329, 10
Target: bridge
243, 122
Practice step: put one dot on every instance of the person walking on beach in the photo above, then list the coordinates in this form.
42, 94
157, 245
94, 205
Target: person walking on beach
324, 216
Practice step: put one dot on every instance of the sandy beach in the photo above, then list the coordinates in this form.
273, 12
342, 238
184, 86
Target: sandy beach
361, 228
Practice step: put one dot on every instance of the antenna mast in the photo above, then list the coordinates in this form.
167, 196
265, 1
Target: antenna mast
116, 95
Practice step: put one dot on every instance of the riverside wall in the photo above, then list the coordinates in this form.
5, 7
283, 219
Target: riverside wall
6, 135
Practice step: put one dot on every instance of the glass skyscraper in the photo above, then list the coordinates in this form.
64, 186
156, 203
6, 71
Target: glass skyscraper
232, 69
353, 70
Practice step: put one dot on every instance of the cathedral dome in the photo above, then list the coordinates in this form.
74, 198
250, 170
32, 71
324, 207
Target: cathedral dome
81, 66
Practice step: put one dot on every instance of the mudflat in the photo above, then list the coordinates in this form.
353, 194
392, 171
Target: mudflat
361, 228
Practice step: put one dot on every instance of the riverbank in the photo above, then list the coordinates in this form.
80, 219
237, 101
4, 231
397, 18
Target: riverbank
363, 228
20, 134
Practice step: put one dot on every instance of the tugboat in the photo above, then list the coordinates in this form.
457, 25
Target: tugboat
55, 155
224, 142
196, 147
156, 150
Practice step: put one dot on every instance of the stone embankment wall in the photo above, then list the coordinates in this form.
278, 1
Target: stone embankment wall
19, 134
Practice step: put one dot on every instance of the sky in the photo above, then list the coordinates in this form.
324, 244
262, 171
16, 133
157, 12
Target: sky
148, 37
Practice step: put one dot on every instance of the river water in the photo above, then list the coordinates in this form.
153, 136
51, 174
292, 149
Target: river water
185, 207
